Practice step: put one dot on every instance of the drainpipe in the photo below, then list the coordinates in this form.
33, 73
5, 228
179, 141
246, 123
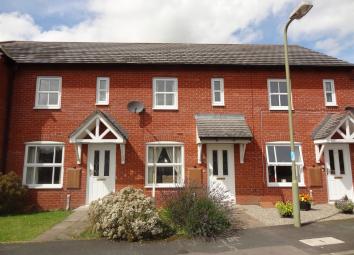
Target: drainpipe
11, 81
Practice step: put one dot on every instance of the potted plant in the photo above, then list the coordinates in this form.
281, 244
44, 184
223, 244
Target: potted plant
305, 201
285, 209
345, 205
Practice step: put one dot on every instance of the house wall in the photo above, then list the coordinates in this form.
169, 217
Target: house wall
4, 86
245, 92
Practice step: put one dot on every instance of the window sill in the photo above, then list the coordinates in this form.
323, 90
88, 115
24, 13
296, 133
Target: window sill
159, 186
47, 108
44, 186
165, 109
331, 105
284, 185
218, 105
102, 104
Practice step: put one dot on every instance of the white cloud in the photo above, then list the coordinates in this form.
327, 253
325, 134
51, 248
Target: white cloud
16, 26
155, 21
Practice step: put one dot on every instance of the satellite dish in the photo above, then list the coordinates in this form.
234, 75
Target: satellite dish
135, 106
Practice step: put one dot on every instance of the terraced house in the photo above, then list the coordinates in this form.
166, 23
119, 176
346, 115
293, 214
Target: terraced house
214, 114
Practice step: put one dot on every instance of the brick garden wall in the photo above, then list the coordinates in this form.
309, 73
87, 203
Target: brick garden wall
245, 92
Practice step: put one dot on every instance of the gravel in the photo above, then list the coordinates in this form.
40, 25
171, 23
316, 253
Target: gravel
270, 216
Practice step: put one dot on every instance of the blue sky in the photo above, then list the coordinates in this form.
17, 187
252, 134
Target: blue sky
328, 27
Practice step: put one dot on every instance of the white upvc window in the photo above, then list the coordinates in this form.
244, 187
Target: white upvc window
43, 165
102, 91
278, 94
279, 164
165, 94
329, 93
168, 157
48, 93
217, 88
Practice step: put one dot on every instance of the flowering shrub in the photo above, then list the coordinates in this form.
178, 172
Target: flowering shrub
345, 205
126, 215
284, 209
306, 198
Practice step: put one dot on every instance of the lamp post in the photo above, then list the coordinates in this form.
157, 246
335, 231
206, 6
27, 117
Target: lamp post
300, 12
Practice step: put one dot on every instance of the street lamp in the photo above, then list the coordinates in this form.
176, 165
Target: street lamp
300, 12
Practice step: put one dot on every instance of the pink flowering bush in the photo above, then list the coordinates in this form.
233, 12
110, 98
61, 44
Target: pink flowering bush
126, 215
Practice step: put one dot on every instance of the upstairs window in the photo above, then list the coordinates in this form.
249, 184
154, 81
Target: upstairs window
48, 93
44, 165
329, 93
279, 164
102, 91
278, 94
217, 88
165, 91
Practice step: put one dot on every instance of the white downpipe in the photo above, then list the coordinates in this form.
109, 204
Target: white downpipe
68, 197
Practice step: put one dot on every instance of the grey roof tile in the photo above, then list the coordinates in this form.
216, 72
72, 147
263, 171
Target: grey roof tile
164, 53
222, 126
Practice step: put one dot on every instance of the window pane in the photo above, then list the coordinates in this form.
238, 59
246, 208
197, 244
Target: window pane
57, 175
225, 165
58, 154
102, 96
170, 99
44, 175
96, 163
274, 87
331, 162
217, 85
44, 85
217, 96
283, 153
45, 154
30, 175
54, 85
297, 154
274, 100
341, 162
150, 155
164, 174
329, 97
170, 86
328, 86
150, 174
160, 99
43, 99
107, 155
165, 155
103, 84
215, 162
284, 173
53, 98
271, 156
31, 154
178, 175
160, 86
283, 100
282, 87
271, 174
178, 155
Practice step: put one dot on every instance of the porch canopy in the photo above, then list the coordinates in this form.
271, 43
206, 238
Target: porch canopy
334, 128
99, 127
222, 128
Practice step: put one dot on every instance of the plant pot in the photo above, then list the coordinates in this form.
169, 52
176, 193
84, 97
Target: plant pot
305, 206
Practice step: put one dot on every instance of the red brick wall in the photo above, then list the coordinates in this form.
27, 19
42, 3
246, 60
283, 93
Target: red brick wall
245, 92
4, 83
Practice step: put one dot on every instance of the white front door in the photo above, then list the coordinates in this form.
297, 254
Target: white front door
101, 172
339, 171
221, 169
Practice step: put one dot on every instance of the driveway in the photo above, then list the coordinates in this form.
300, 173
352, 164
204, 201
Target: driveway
262, 240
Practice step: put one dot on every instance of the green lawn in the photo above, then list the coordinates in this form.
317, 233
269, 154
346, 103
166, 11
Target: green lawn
26, 227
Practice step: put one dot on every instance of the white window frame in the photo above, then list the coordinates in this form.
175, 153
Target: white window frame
25, 165
277, 108
299, 164
147, 164
98, 90
164, 107
57, 106
221, 90
334, 103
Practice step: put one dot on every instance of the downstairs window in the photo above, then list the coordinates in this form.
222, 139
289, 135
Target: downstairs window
169, 164
44, 165
279, 164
